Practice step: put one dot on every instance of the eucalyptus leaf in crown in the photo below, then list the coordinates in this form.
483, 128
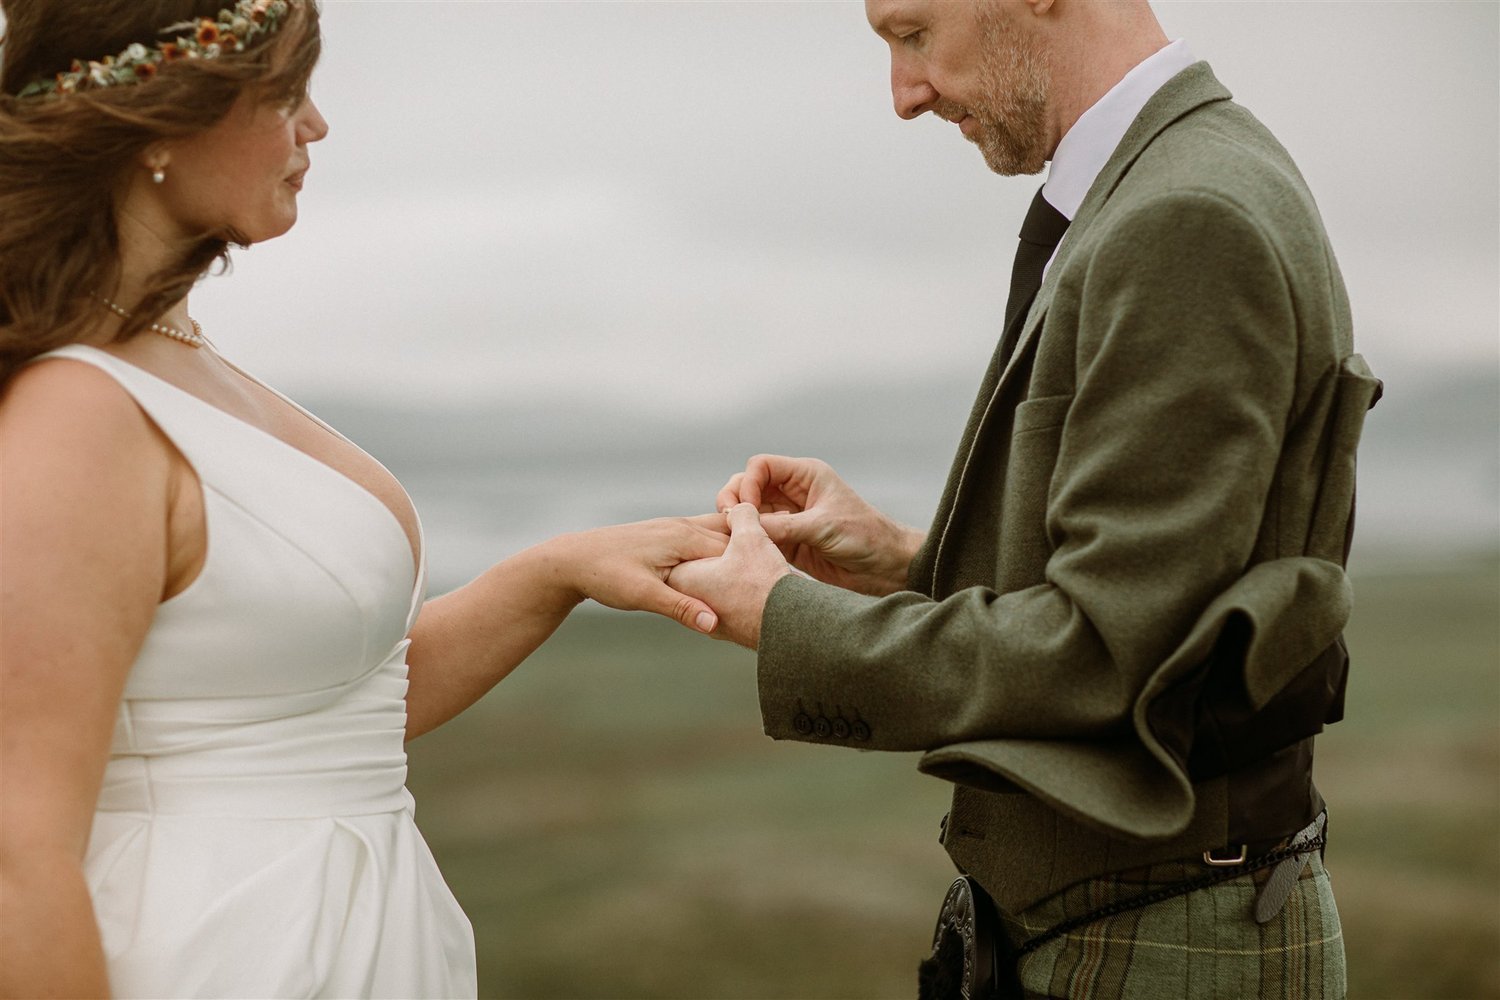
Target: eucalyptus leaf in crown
231, 31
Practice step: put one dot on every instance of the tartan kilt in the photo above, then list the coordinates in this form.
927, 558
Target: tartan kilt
1205, 944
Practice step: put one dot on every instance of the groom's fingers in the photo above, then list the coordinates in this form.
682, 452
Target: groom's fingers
759, 475
750, 486
783, 528
744, 523
770, 481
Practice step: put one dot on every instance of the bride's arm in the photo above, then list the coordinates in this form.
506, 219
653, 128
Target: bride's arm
465, 642
84, 487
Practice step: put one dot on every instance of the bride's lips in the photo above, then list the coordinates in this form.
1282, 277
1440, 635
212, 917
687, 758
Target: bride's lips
296, 179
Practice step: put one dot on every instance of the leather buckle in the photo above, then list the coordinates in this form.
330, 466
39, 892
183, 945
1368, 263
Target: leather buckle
1241, 858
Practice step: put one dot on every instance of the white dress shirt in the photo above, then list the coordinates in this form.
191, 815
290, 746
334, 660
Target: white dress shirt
1091, 141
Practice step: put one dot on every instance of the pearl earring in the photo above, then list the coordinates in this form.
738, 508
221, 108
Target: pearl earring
158, 176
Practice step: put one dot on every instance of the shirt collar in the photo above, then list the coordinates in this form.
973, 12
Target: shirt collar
1091, 141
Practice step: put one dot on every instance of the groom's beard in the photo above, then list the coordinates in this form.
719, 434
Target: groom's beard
1012, 110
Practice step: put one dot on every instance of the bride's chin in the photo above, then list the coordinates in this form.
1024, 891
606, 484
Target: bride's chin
270, 232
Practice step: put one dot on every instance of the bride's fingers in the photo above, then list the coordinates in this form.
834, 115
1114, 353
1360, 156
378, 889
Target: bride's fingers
716, 525
685, 610
705, 539
704, 546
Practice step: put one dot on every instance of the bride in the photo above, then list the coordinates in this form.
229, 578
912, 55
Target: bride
213, 639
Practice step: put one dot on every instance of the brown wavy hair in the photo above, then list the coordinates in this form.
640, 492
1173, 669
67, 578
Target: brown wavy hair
63, 160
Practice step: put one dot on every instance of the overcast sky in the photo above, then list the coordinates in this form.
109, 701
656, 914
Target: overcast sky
611, 225
687, 205
677, 206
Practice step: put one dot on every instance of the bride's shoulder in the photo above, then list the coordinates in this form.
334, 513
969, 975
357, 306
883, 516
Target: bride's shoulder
64, 389
70, 413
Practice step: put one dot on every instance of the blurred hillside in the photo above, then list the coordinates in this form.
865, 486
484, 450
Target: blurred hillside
616, 825
491, 481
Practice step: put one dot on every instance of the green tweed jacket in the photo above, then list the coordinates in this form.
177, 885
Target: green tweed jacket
1168, 457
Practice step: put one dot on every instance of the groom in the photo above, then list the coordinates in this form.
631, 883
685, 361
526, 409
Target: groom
1122, 631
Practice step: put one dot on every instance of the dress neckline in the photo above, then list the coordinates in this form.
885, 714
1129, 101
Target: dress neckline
417, 556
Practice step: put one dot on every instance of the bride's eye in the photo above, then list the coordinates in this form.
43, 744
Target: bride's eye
289, 100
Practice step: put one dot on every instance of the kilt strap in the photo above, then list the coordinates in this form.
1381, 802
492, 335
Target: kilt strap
1299, 848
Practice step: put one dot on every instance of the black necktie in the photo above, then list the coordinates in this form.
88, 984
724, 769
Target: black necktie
1040, 234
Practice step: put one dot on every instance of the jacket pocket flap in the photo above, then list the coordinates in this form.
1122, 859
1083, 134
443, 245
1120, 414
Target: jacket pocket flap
1292, 609
1114, 786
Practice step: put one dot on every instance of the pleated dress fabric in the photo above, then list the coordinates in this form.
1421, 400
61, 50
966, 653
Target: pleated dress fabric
254, 836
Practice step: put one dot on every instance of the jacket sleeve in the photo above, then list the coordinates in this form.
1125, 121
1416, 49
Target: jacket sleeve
1186, 367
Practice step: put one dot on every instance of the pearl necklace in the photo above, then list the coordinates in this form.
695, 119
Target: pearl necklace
194, 338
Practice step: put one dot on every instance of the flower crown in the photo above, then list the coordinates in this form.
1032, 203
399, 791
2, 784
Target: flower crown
231, 31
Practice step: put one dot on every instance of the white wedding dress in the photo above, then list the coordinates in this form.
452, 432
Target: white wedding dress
254, 836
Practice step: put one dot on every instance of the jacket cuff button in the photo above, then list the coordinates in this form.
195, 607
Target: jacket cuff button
861, 731
803, 723
841, 728
822, 727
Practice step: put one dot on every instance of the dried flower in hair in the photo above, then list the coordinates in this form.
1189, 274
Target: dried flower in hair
234, 30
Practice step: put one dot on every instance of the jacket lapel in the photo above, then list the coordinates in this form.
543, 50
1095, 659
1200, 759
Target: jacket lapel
1185, 92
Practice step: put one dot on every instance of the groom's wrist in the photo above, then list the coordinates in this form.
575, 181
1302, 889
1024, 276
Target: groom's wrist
900, 549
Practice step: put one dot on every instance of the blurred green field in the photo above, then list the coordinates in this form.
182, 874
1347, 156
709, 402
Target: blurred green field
616, 825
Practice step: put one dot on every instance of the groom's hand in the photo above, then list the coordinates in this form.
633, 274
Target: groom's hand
737, 583
822, 526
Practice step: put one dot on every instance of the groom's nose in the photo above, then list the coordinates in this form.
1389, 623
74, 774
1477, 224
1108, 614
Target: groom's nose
911, 92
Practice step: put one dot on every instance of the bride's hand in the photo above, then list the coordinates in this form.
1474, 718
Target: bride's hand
625, 566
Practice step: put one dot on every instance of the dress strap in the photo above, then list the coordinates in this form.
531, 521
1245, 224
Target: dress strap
178, 414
